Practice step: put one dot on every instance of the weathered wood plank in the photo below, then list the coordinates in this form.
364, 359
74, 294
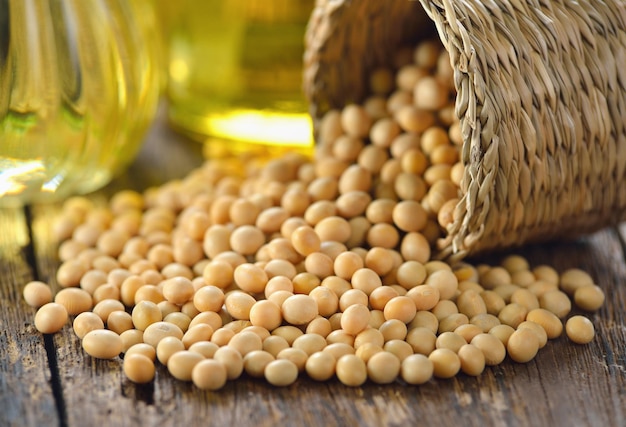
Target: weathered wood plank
26, 393
566, 384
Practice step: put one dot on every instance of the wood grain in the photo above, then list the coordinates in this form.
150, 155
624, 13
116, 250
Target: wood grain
26, 392
566, 384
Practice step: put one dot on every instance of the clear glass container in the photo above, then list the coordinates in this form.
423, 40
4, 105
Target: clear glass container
235, 70
79, 85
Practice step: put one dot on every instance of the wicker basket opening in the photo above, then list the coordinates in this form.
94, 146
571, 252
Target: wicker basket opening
346, 40
541, 96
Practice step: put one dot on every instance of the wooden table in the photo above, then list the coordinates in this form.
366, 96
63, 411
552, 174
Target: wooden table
49, 380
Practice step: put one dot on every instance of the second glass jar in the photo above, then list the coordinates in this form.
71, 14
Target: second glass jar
235, 69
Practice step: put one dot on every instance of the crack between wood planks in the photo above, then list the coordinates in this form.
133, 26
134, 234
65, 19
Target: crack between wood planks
53, 366
55, 379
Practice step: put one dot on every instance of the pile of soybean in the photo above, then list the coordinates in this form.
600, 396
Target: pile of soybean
315, 265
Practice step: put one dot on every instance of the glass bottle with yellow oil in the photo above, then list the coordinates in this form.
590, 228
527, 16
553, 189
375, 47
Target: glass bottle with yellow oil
79, 85
235, 70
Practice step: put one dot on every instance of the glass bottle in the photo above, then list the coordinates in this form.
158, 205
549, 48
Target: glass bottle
79, 85
235, 69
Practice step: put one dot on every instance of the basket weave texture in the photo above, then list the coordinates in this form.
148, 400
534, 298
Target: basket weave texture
541, 98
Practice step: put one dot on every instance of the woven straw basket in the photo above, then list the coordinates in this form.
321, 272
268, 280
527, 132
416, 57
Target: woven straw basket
541, 97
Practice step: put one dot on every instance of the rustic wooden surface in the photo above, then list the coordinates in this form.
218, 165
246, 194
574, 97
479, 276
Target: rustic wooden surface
49, 380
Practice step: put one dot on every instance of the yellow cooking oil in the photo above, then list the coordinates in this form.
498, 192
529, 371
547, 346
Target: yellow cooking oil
78, 88
235, 71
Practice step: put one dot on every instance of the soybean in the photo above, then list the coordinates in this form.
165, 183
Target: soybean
579, 329
102, 344
50, 318
37, 293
